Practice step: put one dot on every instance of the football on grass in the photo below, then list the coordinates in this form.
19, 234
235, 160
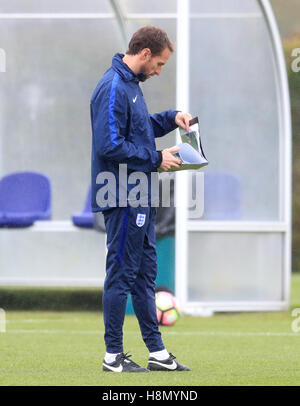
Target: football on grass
167, 308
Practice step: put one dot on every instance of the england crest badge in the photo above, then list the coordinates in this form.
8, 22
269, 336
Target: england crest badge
140, 219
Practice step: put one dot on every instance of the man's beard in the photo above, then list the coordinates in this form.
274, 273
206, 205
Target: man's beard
142, 77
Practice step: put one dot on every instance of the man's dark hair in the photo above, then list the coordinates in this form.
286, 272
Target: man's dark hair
150, 37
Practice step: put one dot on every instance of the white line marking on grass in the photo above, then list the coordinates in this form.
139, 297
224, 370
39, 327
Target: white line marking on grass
43, 320
37, 331
236, 333
186, 333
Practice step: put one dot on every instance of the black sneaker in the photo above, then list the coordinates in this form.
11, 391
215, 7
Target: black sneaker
169, 364
123, 364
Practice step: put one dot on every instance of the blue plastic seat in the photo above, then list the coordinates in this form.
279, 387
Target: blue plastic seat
24, 198
222, 196
86, 217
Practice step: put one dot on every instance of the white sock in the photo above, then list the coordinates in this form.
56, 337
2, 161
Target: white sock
160, 355
109, 357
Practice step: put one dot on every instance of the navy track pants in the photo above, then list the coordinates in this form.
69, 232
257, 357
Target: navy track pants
131, 267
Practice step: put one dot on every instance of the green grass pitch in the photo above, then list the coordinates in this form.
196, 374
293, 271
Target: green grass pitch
66, 348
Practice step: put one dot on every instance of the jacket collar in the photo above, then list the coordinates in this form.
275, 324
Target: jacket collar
124, 71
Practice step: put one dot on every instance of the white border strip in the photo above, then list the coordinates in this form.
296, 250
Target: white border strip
48, 226
192, 225
61, 282
238, 226
55, 226
199, 308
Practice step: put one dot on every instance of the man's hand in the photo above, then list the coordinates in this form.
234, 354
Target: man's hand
169, 160
182, 120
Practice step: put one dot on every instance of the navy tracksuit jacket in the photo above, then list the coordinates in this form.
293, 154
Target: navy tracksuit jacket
124, 133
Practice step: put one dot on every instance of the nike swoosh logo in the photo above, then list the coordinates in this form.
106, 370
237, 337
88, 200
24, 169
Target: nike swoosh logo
172, 366
114, 369
134, 100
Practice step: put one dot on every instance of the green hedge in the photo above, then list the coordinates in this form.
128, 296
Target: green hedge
58, 299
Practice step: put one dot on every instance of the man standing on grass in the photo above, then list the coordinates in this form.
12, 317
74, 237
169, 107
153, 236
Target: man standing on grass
123, 145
